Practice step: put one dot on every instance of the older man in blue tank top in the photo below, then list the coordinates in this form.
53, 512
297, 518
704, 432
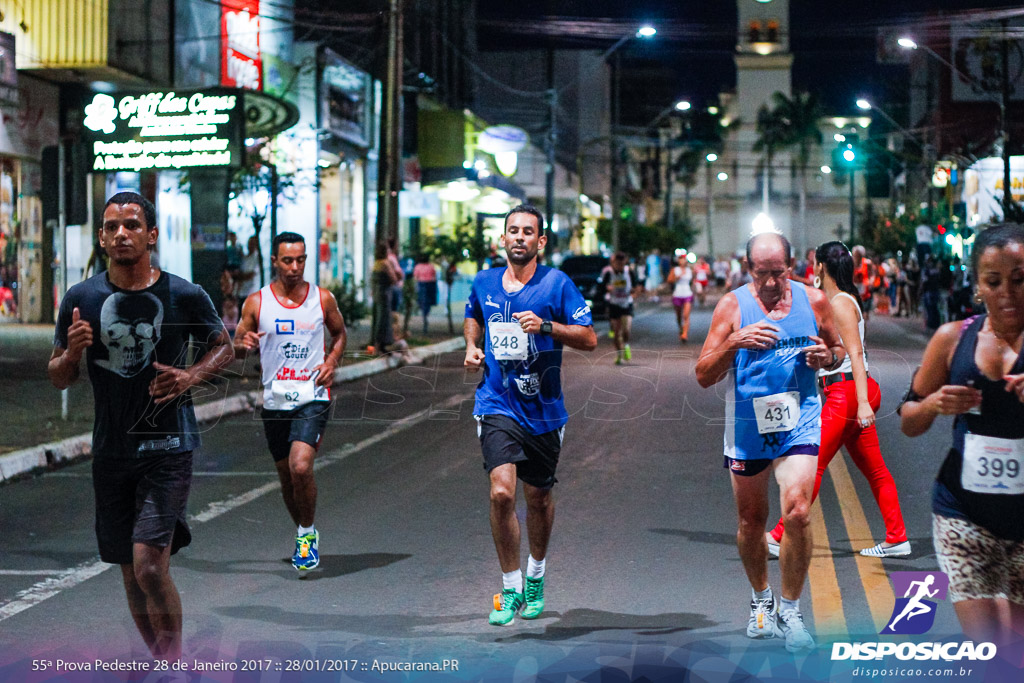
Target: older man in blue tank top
767, 340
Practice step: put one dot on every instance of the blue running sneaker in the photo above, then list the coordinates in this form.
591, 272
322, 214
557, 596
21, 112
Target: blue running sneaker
307, 551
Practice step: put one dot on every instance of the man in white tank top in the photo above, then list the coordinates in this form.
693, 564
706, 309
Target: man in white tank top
286, 322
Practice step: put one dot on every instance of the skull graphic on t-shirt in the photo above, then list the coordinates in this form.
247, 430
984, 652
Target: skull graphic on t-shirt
130, 330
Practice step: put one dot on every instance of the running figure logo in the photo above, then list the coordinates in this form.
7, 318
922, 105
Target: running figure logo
914, 613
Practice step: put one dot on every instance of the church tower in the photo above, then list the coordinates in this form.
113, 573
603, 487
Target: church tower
763, 60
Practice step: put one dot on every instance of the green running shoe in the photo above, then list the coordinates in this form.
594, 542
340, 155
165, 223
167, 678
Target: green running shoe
307, 551
534, 598
627, 353
506, 604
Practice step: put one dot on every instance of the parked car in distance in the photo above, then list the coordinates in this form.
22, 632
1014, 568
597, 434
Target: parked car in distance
585, 273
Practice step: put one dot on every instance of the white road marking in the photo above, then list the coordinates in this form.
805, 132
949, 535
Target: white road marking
31, 572
69, 578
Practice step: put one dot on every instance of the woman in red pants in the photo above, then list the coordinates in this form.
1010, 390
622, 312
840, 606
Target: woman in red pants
851, 399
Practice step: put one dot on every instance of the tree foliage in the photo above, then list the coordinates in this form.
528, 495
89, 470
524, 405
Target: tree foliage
636, 239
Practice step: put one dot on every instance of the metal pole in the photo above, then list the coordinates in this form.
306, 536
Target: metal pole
1004, 49
62, 232
549, 184
710, 212
853, 181
614, 146
669, 181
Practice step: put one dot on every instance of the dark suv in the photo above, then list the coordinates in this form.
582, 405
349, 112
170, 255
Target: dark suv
585, 273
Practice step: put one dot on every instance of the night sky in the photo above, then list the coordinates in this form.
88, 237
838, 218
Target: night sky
834, 41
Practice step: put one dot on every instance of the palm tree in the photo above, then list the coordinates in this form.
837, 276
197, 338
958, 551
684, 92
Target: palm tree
799, 116
771, 131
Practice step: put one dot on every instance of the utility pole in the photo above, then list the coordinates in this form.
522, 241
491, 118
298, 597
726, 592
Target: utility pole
1004, 48
669, 181
710, 210
613, 137
389, 177
549, 180
853, 180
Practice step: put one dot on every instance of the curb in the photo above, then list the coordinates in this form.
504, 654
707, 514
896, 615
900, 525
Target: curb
56, 453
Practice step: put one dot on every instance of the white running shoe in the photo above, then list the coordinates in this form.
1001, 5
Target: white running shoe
791, 627
773, 545
763, 617
880, 550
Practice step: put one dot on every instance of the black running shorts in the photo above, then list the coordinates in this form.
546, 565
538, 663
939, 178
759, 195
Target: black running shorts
535, 456
141, 500
305, 423
616, 312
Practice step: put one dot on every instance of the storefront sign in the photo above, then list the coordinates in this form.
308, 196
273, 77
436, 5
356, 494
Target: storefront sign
164, 130
8, 71
241, 63
345, 99
417, 204
498, 139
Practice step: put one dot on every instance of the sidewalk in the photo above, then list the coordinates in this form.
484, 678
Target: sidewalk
35, 435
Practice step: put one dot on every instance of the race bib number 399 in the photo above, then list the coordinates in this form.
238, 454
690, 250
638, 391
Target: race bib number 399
992, 465
508, 341
778, 412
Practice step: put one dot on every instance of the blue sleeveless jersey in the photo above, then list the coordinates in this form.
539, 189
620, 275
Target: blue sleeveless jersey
757, 374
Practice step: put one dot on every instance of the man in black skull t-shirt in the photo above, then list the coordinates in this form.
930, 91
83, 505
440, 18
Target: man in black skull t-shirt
134, 324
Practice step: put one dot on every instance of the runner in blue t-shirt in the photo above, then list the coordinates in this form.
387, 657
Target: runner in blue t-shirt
518, 319
767, 340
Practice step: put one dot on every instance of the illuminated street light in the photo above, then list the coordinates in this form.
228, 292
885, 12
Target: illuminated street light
909, 44
839, 137
864, 104
645, 32
682, 105
762, 223
711, 157
826, 169
723, 176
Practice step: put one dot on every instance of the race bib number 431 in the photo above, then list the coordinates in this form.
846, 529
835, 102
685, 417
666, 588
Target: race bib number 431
992, 465
778, 412
508, 341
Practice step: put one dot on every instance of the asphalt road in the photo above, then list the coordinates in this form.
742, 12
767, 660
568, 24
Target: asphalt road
643, 574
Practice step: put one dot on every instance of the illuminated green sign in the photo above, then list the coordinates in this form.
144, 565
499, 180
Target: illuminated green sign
164, 130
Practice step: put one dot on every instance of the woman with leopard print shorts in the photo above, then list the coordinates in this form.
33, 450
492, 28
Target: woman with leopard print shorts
974, 370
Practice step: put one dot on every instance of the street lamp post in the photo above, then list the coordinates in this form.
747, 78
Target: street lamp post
1004, 133
616, 191
709, 210
682, 105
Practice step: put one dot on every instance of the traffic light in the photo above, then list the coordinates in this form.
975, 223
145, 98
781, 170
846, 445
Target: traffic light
847, 154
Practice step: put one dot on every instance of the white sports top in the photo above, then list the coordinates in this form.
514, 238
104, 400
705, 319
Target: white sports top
291, 349
682, 287
847, 366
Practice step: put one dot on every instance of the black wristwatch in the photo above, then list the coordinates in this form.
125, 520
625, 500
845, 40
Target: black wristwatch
545, 327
